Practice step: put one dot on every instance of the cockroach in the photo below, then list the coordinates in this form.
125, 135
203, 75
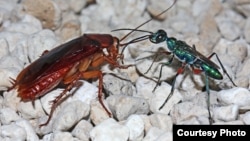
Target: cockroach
77, 59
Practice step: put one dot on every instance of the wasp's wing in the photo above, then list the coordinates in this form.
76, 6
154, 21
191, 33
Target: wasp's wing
199, 56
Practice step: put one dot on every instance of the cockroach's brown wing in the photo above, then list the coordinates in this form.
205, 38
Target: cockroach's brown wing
63, 56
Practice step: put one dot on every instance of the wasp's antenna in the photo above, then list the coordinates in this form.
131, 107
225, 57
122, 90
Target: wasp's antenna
147, 21
132, 30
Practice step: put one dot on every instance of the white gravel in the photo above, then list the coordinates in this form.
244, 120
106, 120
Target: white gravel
28, 28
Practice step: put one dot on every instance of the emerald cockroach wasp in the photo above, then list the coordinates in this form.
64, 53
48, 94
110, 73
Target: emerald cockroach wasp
186, 54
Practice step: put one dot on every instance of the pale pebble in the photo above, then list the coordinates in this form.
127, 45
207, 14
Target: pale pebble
193, 121
203, 120
9, 62
230, 53
154, 8
30, 133
187, 110
46, 11
39, 42
222, 46
246, 118
62, 136
13, 132
12, 38
86, 93
47, 137
230, 67
131, 74
127, 12
160, 95
247, 29
167, 136
8, 115
147, 122
98, 113
1, 102
244, 7
6, 74
11, 99
2, 13
136, 127
238, 49
226, 113
63, 5
181, 24
70, 30
202, 6
229, 30
123, 106
153, 134
114, 85
8, 5
142, 91
201, 99
231, 15
82, 130
29, 25
161, 121
244, 69
69, 115
190, 84
209, 30
76, 5
109, 130
32, 46
239, 96
43, 130
242, 81
106, 7
4, 47
47, 98
154, 72
235, 122
30, 110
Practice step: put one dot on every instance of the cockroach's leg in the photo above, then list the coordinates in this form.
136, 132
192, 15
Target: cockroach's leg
44, 52
55, 103
97, 60
14, 84
116, 64
85, 63
97, 74
72, 81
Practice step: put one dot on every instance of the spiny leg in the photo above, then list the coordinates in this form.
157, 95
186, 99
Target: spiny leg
198, 71
151, 65
162, 65
113, 62
59, 99
224, 70
180, 70
155, 56
13, 83
208, 99
207, 86
99, 75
